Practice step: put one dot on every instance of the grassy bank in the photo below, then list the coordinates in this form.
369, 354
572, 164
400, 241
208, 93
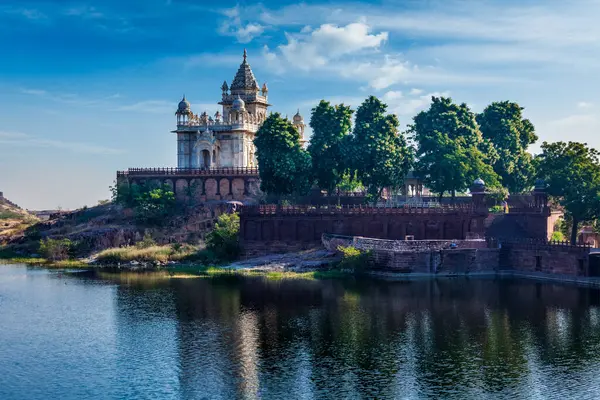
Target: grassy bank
187, 272
155, 253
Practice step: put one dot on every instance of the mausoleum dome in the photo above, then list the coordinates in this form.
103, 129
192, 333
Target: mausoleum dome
479, 182
184, 105
298, 118
238, 104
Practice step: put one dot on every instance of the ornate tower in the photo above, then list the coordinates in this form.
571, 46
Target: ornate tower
299, 124
245, 87
184, 111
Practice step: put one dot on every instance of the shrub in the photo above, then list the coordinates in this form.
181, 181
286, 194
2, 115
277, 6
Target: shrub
497, 209
223, 241
55, 249
557, 236
146, 242
154, 205
353, 259
7, 214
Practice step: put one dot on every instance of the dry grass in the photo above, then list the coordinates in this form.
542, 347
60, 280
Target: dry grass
149, 254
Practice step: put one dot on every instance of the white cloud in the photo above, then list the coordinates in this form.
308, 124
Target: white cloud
84, 12
311, 49
150, 106
24, 140
243, 31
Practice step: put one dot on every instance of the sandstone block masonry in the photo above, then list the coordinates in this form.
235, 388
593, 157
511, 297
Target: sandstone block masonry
473, 256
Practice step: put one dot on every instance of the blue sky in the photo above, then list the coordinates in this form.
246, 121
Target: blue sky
88, 88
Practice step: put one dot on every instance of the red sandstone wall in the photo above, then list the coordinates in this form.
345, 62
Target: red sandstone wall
552, 261
310, 227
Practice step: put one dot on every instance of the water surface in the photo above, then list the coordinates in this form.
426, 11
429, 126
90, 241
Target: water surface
84, 336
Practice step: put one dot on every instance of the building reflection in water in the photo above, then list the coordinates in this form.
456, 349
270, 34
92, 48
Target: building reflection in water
255, 338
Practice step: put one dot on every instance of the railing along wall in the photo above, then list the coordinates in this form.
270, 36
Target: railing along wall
353, 210
188, 171
536, 244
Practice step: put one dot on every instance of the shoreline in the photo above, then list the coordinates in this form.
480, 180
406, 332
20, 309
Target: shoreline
191, 270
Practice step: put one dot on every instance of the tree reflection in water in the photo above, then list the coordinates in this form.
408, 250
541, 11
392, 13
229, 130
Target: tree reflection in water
460, 338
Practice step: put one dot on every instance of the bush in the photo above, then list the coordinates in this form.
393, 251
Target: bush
146, 242
557, 236
353, 259
223, 241
497, 209
154, 205
7, 214
151, 203
55, 249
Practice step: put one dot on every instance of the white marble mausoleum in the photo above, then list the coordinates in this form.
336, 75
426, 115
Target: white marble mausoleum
226, 139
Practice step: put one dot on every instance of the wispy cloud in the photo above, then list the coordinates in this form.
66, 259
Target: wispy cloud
31, 14
243, 31
19, 139
149, 106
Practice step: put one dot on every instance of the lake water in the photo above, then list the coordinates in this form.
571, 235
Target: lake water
82, 336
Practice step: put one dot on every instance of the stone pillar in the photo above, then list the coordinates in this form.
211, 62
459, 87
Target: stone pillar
218, 186
478, 194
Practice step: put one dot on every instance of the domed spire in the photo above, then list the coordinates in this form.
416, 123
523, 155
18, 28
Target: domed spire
298, 118
244, 78
238, 104
184, 106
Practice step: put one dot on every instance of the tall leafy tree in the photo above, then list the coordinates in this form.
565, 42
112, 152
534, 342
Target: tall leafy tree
572, 174
330, 125
378, 151
502, 123
451, 152
284, 166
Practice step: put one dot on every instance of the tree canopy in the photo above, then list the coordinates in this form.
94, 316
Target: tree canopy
284, 166
572, 174
330, 125
451, 152
502, 123
379, 152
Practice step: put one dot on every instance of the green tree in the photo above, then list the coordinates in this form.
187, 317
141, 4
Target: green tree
284, 166
330, 125
223, 240
55, 249
451, 152
378, 151
502, 123
152, 206
572, 175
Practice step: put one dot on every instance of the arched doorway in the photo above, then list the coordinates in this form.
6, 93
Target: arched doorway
205, 159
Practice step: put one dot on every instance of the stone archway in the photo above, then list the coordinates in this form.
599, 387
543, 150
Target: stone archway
205, 159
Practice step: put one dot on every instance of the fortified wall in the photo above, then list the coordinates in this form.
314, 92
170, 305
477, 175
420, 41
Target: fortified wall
199, 184
271, 228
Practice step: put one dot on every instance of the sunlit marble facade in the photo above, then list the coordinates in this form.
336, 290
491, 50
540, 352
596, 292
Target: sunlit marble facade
227, 138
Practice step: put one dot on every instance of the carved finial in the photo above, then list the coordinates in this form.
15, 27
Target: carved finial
245, 55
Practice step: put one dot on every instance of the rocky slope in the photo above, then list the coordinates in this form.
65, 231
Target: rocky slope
13, 220
105, 226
